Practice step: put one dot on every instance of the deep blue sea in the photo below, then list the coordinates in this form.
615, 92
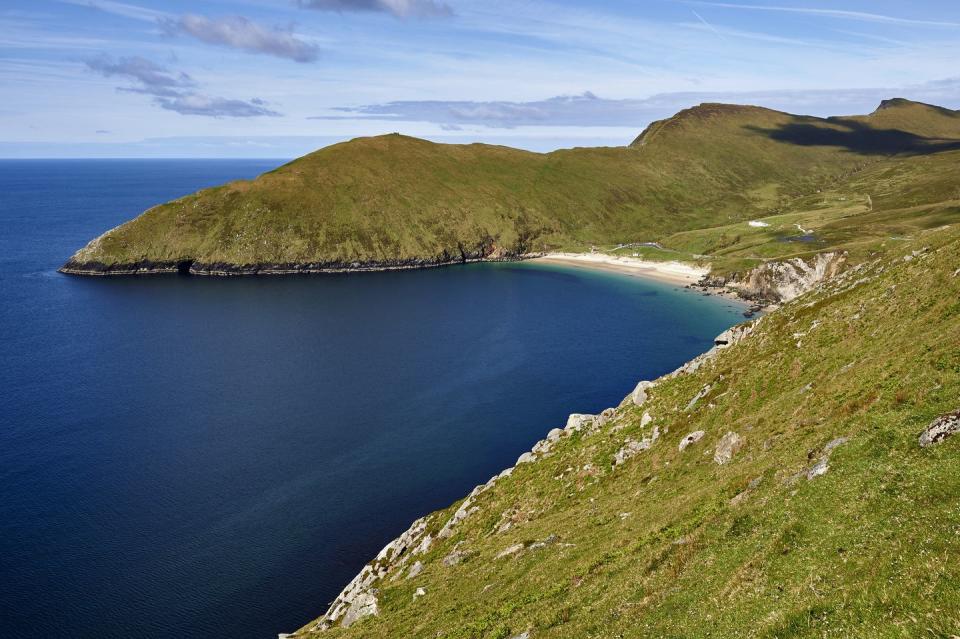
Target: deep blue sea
187, 457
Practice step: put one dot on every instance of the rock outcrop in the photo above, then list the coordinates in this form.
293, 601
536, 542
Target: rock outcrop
639, 394
823, 464
691, 438
632, 447
724, 340
940, 428
780, 281
728, 446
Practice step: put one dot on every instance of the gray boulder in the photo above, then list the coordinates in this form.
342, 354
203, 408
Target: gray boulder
415, 570
940, 428
363, 606
526, 458
512, 550
700, 395
823, 464
579, 421
454, 558
728, 446
631, 447
692, 438
639, 394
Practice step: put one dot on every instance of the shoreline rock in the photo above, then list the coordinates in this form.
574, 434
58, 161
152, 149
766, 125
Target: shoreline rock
226, 269
776, 281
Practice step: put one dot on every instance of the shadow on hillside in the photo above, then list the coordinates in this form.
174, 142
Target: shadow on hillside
858, 137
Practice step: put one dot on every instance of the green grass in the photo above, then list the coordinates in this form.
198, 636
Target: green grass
869, 210
395, 198
670, 544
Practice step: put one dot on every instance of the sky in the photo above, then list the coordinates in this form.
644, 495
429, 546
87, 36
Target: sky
279, 78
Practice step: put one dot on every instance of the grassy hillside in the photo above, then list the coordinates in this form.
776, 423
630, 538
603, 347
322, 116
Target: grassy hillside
403, 201
869, 210
806, 509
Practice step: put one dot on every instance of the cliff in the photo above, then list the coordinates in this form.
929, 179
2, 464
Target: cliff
780, 281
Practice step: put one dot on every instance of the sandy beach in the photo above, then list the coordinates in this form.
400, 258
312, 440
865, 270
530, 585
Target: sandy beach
673, 272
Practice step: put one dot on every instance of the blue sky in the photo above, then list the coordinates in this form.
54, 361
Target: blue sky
277, 78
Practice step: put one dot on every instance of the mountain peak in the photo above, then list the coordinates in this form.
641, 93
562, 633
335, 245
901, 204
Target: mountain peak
701, 113
892, 103
903, 103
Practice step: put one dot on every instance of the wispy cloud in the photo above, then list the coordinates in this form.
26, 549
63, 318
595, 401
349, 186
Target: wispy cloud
174, 90
589, 110
399, 8
123, 9
562, 110
708, 25
861, 16
238, 32
212, 106
573, 110
149, 74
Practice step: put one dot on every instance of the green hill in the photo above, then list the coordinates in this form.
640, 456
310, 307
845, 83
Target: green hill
776, 488
395, 201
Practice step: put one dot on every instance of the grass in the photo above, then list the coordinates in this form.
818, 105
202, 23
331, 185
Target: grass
394, 198
671, 544
862, 213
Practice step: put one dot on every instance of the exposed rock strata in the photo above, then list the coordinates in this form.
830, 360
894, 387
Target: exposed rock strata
780, 281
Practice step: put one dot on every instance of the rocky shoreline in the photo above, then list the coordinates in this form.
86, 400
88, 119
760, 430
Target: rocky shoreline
774, 282
762, 288
226, 269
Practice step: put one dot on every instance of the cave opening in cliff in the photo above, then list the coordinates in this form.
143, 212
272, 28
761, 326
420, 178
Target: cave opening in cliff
183, 267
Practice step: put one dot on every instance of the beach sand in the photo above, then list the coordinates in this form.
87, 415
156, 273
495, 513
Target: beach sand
672, 272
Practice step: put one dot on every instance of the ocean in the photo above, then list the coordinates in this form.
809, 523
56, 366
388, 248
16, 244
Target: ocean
190, 457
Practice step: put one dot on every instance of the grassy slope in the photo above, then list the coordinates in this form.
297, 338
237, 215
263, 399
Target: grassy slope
670, 544
397, 198
868, 210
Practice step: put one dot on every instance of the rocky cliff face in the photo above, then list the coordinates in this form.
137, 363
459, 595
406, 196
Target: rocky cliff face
781, 281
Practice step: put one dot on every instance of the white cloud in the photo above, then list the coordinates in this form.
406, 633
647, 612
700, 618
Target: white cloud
175, 91
241, 33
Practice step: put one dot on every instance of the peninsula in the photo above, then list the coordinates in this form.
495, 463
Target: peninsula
726, 185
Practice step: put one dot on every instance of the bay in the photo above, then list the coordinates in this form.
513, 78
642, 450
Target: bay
191, 457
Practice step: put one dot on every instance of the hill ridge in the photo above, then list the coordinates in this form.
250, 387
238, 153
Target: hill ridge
395, 201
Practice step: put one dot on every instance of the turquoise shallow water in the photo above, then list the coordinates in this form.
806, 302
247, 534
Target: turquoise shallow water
190, 457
